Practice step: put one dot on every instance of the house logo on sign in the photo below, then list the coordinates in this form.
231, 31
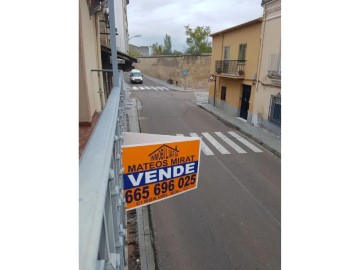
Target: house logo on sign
164, 152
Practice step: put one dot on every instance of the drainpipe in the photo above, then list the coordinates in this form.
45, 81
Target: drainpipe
258, 67
222, 49
260, 52
98, 62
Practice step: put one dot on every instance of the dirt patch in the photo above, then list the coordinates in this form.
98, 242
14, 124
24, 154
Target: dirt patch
133, 241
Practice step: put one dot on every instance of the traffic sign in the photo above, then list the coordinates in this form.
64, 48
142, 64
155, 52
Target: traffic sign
185, 72
212, 78
158, 167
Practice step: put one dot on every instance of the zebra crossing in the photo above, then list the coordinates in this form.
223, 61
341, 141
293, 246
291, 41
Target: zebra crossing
230, 139
156, 88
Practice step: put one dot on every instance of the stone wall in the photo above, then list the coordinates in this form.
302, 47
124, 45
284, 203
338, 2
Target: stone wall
172, 67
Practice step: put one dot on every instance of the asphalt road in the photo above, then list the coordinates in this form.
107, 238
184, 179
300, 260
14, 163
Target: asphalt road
233, 219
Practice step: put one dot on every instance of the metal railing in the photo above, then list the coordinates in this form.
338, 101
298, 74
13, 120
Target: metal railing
230, 67
102, 227
274, 70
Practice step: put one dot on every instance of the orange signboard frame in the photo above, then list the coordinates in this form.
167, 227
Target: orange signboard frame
159, 167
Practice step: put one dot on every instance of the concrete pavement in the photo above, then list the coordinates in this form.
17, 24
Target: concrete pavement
147, 259
266, 139
262, 136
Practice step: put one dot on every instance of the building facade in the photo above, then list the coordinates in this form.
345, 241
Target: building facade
95, 74
90, 101
267, 104
141, 50
234, 65
121, 23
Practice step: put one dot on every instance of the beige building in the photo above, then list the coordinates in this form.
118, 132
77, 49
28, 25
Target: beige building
95, 74
267, 103
234, 65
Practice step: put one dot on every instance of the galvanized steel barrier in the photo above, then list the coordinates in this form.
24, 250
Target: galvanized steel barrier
102, 220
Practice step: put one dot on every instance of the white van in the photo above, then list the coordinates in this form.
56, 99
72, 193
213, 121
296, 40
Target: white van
136, 76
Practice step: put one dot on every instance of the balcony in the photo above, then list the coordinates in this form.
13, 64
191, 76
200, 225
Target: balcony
231, 68
274, 70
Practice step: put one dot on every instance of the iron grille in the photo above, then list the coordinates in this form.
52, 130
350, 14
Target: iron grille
274, 70
230, 67
275, 110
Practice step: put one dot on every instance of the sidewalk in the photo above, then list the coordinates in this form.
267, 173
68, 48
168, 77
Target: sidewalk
261, 136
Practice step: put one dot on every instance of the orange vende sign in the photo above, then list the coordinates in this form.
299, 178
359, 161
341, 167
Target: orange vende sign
159, 167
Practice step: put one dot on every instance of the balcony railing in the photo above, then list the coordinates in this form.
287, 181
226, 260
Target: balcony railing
101, 204
231, 67
107, 77
274, 70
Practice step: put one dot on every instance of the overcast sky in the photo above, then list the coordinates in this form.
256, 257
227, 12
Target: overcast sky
155, 18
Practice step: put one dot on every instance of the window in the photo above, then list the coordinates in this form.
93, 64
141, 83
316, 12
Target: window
275, 110
223, 93
226, 53
242, 53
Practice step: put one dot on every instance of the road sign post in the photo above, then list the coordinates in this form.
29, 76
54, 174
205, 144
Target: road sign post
185, 73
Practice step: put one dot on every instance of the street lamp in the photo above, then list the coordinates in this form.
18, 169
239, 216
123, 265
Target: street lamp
134, 36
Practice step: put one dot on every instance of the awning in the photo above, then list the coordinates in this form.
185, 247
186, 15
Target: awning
106, 56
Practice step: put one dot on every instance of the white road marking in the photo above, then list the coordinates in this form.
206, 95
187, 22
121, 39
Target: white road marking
147, 88
142, 88
135, 88
215, 143
206, 150
153, 87
231, 143
242, 140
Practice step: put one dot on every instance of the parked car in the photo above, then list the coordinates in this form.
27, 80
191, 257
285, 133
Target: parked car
136, 76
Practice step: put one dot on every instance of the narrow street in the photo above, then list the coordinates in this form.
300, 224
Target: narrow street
233, 219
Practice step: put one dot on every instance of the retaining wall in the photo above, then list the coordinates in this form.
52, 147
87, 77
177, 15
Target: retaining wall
173, 67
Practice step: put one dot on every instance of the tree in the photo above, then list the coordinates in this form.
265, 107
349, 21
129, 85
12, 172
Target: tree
198, 40
167, 45
157, 49
134, 54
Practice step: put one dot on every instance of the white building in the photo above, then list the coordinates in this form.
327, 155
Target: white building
267, 103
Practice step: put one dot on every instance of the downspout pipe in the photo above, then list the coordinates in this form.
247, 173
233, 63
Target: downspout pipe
261, 49
255, 109
221, 58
